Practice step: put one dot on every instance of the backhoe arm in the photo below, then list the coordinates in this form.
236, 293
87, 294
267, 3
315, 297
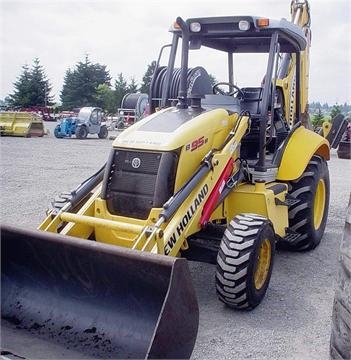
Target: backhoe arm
300, 15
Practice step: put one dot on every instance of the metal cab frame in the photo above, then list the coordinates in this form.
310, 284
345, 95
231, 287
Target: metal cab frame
238, 34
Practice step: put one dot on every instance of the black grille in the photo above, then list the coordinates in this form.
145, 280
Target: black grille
138, 181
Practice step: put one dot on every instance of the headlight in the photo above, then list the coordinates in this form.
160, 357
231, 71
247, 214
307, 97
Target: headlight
244, 25
195, 27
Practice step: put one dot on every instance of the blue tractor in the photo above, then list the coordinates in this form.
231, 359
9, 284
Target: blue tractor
89, 121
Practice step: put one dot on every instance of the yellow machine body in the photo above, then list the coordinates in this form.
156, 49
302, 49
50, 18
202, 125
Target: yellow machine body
205, 131
302, 145
94, 218
25, 124
261, 199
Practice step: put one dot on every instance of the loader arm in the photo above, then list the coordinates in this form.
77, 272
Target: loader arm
187, 218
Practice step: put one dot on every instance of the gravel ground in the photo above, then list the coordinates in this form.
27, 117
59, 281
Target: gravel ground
293, 321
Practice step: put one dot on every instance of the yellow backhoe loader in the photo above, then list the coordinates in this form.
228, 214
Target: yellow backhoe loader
216, 173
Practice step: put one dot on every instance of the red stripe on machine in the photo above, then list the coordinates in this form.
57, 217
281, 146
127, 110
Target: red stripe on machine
216, 192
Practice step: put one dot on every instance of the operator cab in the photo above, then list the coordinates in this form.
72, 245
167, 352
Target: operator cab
277, 40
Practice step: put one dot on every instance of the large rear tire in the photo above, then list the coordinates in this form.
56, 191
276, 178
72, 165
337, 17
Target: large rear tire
308, 217
340, 340
81, 132
245, 261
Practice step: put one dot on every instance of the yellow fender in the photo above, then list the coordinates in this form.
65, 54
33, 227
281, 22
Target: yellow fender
302, 145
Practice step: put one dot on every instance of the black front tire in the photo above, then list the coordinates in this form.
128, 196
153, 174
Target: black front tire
103, 132
57, 132
309, 216
245, 261
81, 132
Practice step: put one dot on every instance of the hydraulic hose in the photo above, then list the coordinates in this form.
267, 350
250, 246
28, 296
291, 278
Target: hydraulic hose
86, 187
172, 205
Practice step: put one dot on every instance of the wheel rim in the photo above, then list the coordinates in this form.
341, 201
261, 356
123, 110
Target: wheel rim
319, 204
263, 264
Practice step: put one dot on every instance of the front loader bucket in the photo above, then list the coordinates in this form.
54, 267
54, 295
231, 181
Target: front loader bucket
23, 123
63, 297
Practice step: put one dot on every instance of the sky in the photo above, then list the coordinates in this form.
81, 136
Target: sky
127, 35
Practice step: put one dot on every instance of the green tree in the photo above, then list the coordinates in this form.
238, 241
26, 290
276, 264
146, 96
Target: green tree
336, 110
318, 118
41, 87
70, 94
132, 86
81, 84
145, 86
105, 98
5, 103
121, 88
21, 95
32, 87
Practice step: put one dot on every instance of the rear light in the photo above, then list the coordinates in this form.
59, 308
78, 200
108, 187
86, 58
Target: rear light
175, 26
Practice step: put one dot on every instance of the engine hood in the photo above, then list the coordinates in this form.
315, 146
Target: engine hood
171, 128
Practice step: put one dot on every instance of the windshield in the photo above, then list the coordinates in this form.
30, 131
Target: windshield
248, 69
206, 67
90, 114
84, 114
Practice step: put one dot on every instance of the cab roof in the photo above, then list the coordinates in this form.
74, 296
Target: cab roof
224, 34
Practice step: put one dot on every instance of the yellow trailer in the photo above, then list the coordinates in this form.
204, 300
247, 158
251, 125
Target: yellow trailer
21, 123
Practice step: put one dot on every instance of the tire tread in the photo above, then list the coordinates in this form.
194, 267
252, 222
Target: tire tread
233, 260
